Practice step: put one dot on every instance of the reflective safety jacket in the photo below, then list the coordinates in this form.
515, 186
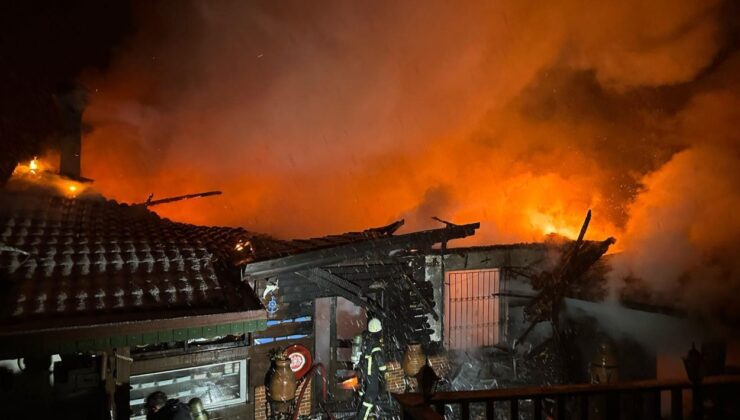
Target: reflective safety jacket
372, 366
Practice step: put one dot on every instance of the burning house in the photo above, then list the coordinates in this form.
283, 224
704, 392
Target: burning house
106, 303
347, 117
127, 303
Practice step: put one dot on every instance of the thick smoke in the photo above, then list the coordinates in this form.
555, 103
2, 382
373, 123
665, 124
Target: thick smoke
683, 234
519, 114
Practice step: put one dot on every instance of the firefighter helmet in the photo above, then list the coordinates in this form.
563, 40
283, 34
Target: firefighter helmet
374, 325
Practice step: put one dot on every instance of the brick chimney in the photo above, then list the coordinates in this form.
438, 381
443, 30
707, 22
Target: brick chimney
71, 102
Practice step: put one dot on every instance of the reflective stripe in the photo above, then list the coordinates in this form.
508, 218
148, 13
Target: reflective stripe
369, 365
367, 404
382, 368
375, 349
368, 408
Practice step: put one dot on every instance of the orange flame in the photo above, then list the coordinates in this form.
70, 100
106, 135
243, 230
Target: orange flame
73, 189
33, 165
351, 383
40, 173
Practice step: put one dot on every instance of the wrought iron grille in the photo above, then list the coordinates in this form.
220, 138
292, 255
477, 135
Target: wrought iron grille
471, 311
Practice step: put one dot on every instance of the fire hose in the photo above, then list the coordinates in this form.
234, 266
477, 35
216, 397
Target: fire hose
304, 385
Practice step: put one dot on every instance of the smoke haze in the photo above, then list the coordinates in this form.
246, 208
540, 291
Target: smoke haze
522, 115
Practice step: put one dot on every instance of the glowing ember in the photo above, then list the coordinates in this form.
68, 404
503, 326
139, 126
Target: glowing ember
242, 245
72, 188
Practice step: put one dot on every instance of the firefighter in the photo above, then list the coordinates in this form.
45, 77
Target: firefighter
372, 369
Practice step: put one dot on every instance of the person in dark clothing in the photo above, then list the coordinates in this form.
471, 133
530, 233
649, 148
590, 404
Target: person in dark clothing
372, 369
160, 408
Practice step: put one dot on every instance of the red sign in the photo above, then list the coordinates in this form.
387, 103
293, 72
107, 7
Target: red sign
300, 359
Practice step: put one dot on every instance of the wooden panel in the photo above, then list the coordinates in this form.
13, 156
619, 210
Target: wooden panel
288, 328
71, 341
190, 359
514, 409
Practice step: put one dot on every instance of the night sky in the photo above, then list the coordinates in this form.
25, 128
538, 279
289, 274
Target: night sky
44, 45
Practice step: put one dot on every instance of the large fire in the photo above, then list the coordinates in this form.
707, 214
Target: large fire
521, 115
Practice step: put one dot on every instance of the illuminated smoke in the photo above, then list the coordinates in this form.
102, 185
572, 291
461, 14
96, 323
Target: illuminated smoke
519, 114
683, 234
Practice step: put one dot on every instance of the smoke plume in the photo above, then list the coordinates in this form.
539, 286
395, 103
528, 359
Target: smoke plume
316, 118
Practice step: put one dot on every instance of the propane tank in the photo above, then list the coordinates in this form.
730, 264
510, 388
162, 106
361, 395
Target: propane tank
197, 410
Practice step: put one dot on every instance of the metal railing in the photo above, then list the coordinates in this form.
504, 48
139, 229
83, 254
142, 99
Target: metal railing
717, 397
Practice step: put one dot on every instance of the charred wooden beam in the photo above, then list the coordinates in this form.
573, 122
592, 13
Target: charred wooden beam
342, 292
372, 248
149, 202
336, 280
424, 301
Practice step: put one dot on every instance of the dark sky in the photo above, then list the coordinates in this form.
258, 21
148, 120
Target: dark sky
43, 47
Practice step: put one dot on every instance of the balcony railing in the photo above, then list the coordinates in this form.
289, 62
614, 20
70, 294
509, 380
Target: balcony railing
716, 397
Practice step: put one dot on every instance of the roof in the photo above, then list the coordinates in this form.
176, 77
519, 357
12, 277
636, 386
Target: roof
67, 263
495, 247
64, 260
262, 247
369, 245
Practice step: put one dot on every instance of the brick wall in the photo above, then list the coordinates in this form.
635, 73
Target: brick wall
259, 403
260, 399
394, 376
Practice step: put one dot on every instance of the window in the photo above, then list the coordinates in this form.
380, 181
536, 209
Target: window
471, 311
217, 385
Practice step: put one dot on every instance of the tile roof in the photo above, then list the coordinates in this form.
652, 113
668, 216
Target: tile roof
67, 257
63, 260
